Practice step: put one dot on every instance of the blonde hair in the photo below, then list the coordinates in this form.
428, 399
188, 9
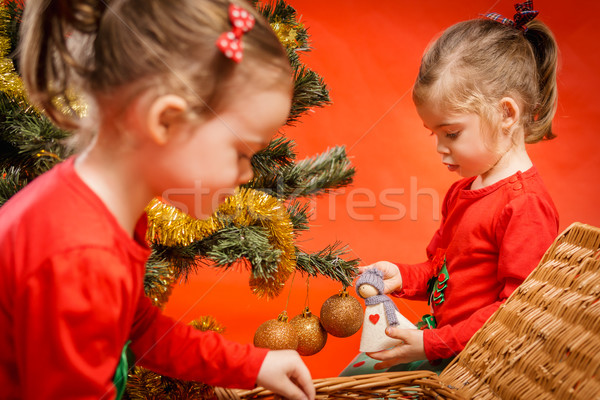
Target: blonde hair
474, 64
99, 46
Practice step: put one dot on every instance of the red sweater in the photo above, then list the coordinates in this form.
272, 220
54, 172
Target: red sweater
71, 296
492, 239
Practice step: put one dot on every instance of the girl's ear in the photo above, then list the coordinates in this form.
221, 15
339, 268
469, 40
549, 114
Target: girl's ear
163, 114
510, 113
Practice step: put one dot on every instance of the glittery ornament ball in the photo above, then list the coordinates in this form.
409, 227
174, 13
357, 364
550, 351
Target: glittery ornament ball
311, 334
342, 315
276, 334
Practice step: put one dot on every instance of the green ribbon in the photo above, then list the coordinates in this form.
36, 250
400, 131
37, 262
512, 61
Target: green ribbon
437, 285
122, 371
427, 322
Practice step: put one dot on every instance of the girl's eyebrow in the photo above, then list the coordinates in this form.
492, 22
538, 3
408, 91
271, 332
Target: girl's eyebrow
442, 125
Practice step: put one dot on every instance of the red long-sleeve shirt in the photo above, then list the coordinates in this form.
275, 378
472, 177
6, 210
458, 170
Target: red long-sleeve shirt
71, 296
492, 239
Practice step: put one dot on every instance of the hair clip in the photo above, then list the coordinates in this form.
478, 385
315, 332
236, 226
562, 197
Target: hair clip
230, 43
525, 13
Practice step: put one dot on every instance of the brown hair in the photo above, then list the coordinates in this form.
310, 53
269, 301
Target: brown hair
474, 64
101, 45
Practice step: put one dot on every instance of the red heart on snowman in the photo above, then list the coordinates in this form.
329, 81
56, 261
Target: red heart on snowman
374, 318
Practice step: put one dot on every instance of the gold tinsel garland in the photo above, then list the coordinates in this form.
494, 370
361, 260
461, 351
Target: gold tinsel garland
10, 82
169, 226
287, 33
143, 384
12, 85
207, 323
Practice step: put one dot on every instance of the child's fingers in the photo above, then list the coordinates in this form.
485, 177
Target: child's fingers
361, 270
384, 266
295, 387
383, 354
389, 357
284, 373
397, 350
304, 381
386, 364
289, 390
397, 333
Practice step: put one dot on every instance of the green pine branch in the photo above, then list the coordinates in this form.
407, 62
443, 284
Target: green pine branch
278, 154
248, 244
299, 214
183, 259
329, 262
312, 176
11, 181
282, 12
158, 280
310, 91
28, 140
327, 171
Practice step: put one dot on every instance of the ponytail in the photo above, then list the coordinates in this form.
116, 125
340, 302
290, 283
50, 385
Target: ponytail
169, 45
50, 65
545, 51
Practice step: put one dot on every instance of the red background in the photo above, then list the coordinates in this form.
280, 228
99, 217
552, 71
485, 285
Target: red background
368, 54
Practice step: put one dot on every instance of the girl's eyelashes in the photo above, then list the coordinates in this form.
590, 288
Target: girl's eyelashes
449, 135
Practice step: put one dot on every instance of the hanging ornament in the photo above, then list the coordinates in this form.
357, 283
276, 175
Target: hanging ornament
311, 334
276, 334
342, 315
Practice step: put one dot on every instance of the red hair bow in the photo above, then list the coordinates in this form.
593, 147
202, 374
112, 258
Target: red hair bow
230, 43
525, 13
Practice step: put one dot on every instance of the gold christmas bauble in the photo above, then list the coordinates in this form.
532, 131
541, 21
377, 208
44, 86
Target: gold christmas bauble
341, 315
276, 334
311, 334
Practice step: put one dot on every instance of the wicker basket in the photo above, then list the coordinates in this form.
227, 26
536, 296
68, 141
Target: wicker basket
543, 343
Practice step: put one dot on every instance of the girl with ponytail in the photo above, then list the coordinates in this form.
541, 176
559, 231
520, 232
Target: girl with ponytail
180, 95
485, 88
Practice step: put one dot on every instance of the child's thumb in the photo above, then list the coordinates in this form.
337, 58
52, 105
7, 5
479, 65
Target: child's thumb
395, 332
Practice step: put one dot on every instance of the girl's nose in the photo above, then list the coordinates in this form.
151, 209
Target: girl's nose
441, 147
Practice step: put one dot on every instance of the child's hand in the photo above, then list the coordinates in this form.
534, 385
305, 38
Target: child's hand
284, 373
411, 350
392, 280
